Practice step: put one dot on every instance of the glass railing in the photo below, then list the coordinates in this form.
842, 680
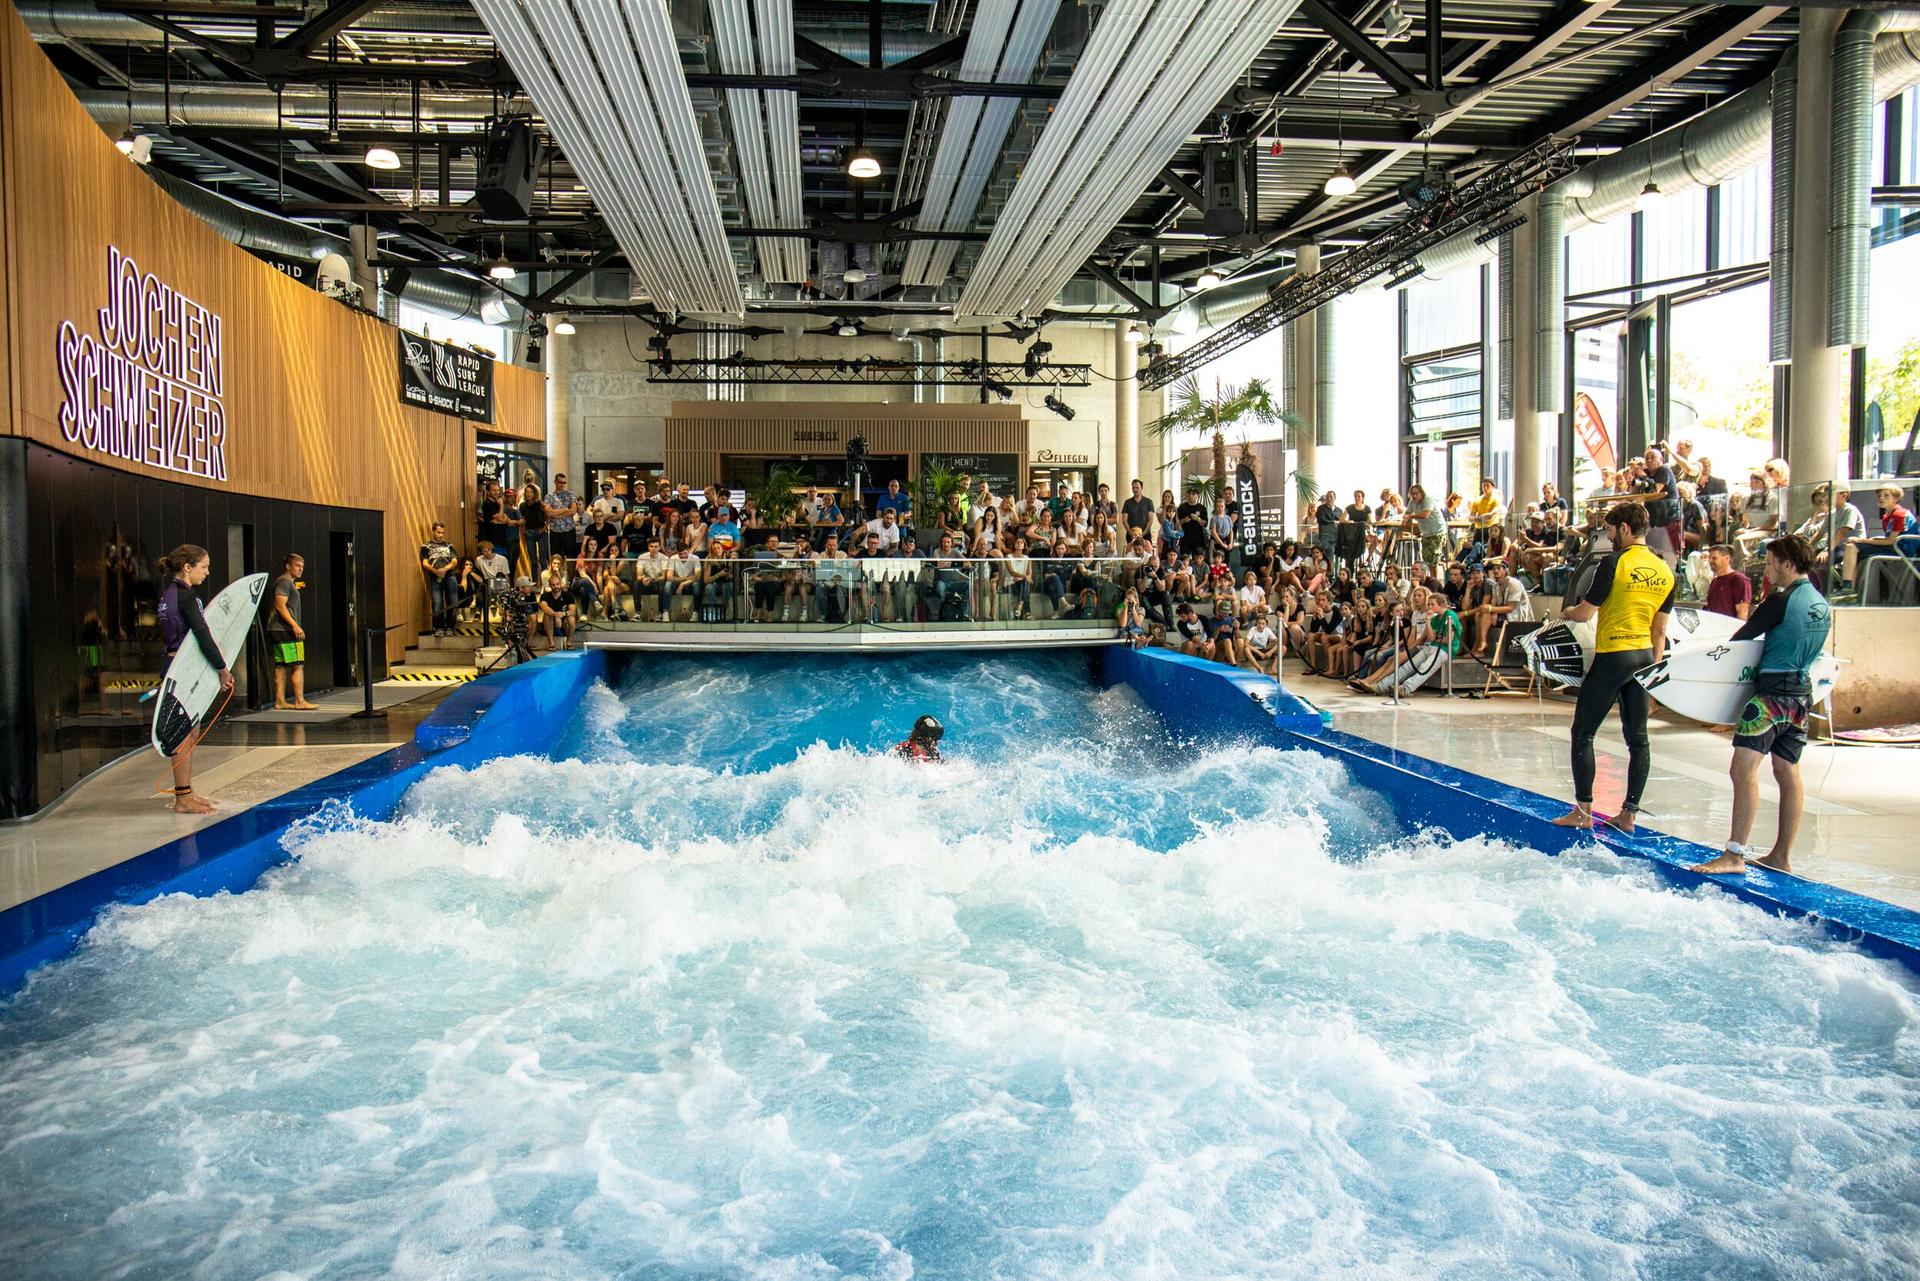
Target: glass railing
791, 592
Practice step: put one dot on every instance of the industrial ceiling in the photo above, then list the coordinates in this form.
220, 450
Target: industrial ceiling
1030, 157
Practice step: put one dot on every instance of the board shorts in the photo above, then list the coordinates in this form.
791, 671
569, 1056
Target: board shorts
1773, 723
288, 653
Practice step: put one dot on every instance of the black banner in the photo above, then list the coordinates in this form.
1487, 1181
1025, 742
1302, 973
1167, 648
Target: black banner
1247, 494
1000, 471
447, 380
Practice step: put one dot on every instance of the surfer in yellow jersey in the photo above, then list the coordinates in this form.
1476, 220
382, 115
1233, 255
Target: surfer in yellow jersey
1631, 597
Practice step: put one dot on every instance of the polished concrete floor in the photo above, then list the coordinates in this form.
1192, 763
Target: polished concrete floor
1862, 807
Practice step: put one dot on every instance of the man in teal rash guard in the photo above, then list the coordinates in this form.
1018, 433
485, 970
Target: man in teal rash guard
1795, 620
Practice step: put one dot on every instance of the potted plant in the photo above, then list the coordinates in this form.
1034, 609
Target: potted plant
939, 487
778, 497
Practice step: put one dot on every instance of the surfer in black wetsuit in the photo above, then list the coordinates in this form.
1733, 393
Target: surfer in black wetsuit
180, 616
923, 744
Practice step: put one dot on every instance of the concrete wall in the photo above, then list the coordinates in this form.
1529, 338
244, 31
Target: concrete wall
615, 412
1880, 681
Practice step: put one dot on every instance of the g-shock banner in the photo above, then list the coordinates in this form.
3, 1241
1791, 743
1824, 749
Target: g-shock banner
1247, 494
447, 380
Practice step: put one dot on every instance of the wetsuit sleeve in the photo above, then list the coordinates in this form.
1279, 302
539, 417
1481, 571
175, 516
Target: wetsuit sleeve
1771, 613
197, 620
1602, 583
1673, 594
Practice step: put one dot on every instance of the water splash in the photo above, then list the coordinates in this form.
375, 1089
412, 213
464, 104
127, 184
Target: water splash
726, 992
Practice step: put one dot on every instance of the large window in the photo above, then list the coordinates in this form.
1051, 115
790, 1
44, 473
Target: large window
1443, 415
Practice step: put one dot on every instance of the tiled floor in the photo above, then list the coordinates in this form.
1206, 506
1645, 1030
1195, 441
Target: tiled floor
1862, 805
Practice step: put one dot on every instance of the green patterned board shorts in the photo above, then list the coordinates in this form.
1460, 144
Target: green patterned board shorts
1432, 548
1775, 723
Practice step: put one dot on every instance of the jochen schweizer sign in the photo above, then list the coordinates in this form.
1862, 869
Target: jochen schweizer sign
148, 388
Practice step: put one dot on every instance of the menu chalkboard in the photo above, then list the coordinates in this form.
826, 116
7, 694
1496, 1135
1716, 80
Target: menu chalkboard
1000, 471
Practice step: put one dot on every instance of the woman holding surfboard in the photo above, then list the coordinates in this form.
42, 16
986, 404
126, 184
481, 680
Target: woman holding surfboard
1630, 596
181, 616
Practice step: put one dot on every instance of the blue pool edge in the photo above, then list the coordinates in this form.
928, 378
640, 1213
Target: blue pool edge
513, 712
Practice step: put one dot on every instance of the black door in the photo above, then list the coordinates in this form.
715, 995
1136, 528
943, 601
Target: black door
240, 562
343, 596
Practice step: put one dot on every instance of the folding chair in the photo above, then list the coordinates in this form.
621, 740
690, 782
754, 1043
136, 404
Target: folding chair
1507, 670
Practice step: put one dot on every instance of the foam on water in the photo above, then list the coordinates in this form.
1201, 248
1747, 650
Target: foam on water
726, 993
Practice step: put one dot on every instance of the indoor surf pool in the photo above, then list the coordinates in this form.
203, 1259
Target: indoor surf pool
719, 988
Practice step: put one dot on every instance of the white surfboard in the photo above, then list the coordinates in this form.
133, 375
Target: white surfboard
191, 683
1553, 652
1712, 683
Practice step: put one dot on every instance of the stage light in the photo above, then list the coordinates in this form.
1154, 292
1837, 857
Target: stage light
1059, 406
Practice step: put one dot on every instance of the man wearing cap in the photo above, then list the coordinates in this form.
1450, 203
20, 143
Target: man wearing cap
609, 503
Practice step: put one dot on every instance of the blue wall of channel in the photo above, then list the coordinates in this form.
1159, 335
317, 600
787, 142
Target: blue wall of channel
503, 714
1191, 695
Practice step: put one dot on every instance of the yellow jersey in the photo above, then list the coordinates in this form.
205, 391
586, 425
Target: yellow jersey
1485, 511
1630, 587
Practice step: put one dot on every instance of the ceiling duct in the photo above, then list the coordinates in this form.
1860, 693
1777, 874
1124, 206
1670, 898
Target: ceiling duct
755, 38
236, 107
1004, 46
608, 80
1151, 71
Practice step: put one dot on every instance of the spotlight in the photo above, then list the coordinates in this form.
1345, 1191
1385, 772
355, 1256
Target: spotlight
1340, 182
1394, 23
999, 389
1059, 406
533, 351
382, 158
135, 146
862, 164
1035, 354
848, 331
563, 326
1209, 279
1498, 230
125, 143
398, 278
1151, 352
1404, 274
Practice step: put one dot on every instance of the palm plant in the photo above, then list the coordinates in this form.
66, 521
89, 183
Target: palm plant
778, 498
939, 486
1250, 405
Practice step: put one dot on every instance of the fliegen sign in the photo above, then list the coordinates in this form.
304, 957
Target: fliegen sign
447, 380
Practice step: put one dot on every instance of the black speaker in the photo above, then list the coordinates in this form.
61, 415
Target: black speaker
509, 160
398, 279
1224, 189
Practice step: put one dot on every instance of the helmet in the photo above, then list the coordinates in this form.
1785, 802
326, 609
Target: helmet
928, 729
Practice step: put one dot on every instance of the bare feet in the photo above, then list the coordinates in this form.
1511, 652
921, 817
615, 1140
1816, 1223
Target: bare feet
306, 707
193, 803
1575, 818
1728, 864
1774, 863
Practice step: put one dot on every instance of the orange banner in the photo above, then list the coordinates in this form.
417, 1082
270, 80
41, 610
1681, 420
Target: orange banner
1592, 430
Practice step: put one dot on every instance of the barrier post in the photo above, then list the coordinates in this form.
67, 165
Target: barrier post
367, 710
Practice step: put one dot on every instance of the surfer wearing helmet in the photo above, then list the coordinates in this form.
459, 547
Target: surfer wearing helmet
1631, 596
1795, 620
923, 744
180, 616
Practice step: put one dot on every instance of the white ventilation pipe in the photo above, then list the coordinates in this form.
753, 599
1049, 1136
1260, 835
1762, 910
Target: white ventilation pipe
1850, 180
1786, 99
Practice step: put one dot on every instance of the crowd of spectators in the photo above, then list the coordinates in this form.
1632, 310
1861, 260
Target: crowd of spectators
1368, 587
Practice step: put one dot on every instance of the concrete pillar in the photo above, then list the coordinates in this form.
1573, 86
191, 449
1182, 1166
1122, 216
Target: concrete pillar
363, 246
1524, 400
559, 439
1306, 392
1126, 412
1816, 407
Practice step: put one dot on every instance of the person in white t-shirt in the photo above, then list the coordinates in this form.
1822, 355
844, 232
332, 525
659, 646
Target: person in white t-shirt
1263, 643
887, 528
1251, 596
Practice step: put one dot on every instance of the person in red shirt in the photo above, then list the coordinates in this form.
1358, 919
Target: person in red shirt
1730, 592
923, 744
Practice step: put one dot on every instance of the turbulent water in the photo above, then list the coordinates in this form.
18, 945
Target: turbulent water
728, 992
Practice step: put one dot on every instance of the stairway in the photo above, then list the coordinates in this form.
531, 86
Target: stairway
437, 660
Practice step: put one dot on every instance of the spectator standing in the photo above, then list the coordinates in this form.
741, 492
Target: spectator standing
1326, 521
609, 503
1428, 524
564, 510
1729, 592
535, 543
1137, 512
1659, 489
1487, 510
497, 517
1352, 534
438, 560
1193, 524
287, 638
1220, 540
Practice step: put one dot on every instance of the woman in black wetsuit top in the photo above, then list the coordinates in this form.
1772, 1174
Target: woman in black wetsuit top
181, 616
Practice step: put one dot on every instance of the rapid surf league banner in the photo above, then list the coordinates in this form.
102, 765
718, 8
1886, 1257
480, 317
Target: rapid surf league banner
147, 384
447, 380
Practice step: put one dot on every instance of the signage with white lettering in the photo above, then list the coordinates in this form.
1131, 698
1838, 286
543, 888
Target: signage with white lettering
1247, 493
148, 388
447, 380
1000, 471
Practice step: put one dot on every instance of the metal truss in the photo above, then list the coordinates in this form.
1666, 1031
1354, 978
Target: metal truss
868, 372
1476, 203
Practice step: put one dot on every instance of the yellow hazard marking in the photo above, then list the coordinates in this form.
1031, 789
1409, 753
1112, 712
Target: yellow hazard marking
432, 678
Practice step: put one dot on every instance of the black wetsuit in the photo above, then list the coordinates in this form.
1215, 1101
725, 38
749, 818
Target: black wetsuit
181, 614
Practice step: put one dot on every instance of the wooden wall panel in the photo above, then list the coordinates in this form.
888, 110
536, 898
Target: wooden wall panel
311, 388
